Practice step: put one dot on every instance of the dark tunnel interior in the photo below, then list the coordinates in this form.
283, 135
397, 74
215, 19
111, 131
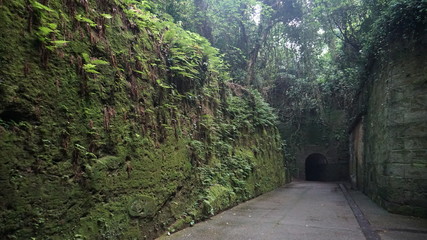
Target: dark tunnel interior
315, 167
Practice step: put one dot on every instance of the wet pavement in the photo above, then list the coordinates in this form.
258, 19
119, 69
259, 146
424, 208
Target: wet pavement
304, 211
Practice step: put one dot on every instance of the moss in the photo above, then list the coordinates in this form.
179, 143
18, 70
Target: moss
111, 153
218, 197
181, 223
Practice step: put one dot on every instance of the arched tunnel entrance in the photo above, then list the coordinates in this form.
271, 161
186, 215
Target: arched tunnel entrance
315, 167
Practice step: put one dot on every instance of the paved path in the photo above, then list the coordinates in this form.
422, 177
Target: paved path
305, 211
390, 226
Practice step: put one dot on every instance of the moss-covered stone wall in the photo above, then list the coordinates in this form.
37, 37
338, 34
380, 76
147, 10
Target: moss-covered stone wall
323, 134
313, 120
115, 124
389, 141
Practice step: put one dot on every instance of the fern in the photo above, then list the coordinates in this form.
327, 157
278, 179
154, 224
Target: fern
99, 62
40, 6
80, 18
91, 64
107, 16
60, 42
162, 84
90, 68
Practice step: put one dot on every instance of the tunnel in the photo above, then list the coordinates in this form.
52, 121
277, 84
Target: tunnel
315, 167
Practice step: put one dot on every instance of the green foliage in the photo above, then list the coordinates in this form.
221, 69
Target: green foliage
40, 6
251, 112
121, 113
48, 32
263, 114
398, 19
80, 18
106, 15
190, 55
90, 68
99, 62
92, 63
162, 84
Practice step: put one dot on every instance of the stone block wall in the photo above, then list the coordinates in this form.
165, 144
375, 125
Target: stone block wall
336, 168
393, 170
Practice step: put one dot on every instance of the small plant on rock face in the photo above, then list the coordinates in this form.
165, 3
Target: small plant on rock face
162, 84
84, 152
44, 32
106, 16
48, 31
40, 6
91, 64
80, 18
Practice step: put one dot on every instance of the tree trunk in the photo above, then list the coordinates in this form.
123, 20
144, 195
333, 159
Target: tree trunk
203, 25
250, 69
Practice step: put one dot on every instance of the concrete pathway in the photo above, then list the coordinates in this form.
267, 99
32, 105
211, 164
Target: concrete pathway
303, 210
390, 226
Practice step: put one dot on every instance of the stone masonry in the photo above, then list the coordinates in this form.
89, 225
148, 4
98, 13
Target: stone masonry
388, 141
